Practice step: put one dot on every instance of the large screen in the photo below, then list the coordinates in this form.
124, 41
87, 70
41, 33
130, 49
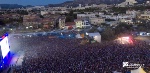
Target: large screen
4, 47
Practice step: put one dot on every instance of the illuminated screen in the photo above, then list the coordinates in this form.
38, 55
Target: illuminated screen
4, 47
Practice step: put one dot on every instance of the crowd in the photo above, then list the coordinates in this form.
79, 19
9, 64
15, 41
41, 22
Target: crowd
54, 55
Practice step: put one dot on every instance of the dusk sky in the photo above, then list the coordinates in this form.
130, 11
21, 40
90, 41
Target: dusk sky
32, 2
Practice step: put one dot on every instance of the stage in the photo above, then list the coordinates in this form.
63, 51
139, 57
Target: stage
15, 60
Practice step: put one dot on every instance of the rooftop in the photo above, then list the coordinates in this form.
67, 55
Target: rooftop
70, 23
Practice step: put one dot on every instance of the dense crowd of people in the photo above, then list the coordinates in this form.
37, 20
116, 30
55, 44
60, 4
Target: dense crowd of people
55, 55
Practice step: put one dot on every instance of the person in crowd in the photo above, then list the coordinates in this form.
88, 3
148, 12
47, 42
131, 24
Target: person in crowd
55, 55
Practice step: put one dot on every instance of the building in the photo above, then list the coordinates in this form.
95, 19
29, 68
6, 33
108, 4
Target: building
80, 5
86, 24
78, 23
15, 16
70, 25
112, 23
144, 16
127, 20
82, 23
102, 5
127, 2
10, 16
97, 21
61, 22
48, 22
132, 12
31, 21
118, 17
86, 16
44, 12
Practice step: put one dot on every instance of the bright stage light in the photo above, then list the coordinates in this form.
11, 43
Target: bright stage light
125, 40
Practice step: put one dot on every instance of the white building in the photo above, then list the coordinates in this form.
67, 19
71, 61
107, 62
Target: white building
61, 12
78, 8
132, 12
117, 17
38, 7
126, 20
112, 23
80, 5
146, 12
44, 12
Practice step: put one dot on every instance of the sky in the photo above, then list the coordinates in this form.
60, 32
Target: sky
32, 2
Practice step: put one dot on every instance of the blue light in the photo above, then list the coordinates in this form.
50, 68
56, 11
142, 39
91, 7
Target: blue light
1, 39
6, 34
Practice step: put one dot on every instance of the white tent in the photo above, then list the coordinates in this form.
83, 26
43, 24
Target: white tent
139, 70
78, 36
96, 36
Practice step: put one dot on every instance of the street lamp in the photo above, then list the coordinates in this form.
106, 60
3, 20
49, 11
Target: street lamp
86, 33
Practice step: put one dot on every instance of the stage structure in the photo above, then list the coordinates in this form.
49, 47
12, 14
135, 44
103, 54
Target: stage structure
4, 50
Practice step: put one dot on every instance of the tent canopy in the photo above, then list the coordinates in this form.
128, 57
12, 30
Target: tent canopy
96, 36
78, 36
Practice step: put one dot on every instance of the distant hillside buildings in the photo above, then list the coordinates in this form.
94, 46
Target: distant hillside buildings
127, 2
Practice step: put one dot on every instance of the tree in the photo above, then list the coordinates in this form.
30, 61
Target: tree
104, 24
108, 34
119, 9
2, 23
93, 29
41, 16
128, 27
97, 15
141, 28
69, 19
109, 20
71, 13
22, 12
75, 16
122, 28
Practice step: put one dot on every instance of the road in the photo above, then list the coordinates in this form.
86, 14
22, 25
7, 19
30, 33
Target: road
143, 38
